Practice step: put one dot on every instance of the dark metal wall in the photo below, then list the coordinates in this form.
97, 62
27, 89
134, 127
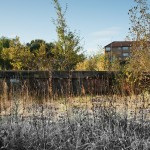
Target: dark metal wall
63, 83
45, 83
83, 82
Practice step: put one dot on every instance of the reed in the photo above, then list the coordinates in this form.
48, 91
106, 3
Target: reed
89, 122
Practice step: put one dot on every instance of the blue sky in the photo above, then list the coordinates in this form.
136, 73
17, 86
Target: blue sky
98, 22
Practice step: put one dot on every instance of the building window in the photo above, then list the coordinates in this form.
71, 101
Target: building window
125, 48
119, 48
107, 48
125, 54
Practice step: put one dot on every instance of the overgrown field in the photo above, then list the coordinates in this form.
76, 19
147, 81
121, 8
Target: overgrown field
109, 122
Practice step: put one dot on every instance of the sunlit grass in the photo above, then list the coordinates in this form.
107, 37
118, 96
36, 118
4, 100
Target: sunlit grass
106, 122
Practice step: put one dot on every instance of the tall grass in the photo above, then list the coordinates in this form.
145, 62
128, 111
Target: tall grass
106, 122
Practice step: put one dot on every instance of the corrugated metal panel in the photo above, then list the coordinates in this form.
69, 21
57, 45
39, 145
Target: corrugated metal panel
24, 74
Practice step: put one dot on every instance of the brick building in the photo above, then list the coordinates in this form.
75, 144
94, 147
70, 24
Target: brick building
118, 50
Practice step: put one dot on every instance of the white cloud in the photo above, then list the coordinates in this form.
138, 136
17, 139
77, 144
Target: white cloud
105, 36
107, 33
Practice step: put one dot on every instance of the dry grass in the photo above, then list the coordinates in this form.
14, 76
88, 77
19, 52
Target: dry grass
81, 123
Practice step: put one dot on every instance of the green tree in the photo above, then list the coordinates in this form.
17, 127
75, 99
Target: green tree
41, 54
4, 43
35, 55
34, 45
40, 59
16, 54
67, 50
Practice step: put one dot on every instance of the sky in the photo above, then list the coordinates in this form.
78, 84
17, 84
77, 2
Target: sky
97, 22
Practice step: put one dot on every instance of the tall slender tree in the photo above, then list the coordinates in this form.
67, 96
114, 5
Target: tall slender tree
67, 49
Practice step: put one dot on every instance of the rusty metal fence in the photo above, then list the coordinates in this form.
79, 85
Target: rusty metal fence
58, 83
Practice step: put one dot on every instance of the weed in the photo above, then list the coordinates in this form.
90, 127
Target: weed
106, 122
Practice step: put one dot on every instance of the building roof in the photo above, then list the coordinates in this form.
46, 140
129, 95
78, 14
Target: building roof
120, 44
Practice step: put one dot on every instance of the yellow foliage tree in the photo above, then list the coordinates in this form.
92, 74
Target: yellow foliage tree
94, 63
17, 54
140, 31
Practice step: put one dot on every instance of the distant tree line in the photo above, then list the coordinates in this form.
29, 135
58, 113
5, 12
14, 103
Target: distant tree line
35, 55
17, 56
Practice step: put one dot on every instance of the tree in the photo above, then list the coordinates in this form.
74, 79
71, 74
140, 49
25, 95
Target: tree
138, 63
35, 55
4, 43
16, 54
94, 63
41, 54
40, 59
139, 33
67, 50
